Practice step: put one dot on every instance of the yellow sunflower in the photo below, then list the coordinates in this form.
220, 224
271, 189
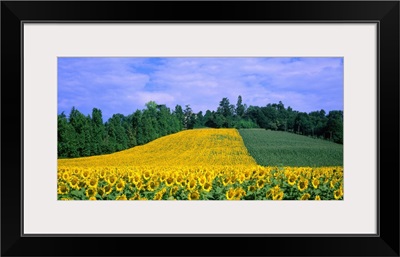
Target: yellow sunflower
305, 196
194, 195
120, 185
202, 180
278, 196
147, 175
241, 178
91, 192
192, 184
121, 197
173, 190
292, 179
333, 183
151, 186
136, 179
112, 180
315, 183
239, 193
230, 194
108, 189
159, 194
302, 184
170, 181
102, 174
226, 180
136, 196
251, 188
260, 183
317, 197
85, 174
92, 182
62, 189
74, 183
207, 186
101, 191
65, 176
337, 194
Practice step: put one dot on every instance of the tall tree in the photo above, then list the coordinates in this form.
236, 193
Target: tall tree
178, 112
98, 131
334, 126
190, 117
240, 108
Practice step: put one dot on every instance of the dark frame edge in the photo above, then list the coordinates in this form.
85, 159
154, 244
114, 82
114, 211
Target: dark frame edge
10, 245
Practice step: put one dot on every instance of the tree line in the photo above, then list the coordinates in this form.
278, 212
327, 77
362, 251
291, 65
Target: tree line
80, 135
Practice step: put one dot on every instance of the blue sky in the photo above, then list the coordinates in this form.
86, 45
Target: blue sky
123, 85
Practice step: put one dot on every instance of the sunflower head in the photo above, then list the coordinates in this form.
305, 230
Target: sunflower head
76, 172
239, 193
112, 180
136, 196
260, 183
173, 190
101, 191
170, 181
305, 196
146, 174
315, 183
202, 180
333, 183
302, 184
292, 179
65, 176
92, 182
251, 188
63, 189
207, 186
151, 186
337, 194
230, 194
226, 180
136, 179
91, 192
278, 196
74, 182
102, 174
247, 175
108, 189
241, 178
120, 185
159, 195
121, 197
85, 174
317, 198
194, 195
192, 184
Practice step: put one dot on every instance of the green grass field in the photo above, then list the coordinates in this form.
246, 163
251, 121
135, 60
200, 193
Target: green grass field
278, 148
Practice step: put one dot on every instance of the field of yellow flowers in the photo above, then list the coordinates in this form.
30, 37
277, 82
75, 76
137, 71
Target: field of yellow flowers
201, 164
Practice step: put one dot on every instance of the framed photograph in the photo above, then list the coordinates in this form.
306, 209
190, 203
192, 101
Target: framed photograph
273, 125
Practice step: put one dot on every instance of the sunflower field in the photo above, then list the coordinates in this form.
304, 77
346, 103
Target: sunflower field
201, 164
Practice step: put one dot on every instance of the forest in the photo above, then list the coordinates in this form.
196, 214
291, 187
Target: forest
80, 135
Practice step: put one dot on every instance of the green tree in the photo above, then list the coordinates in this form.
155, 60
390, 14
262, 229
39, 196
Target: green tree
98, 131
240, 108
334, 127
178, 112
81, 125
66, 138
190, 117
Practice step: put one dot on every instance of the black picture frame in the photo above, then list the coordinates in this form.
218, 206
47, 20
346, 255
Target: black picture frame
384, 243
